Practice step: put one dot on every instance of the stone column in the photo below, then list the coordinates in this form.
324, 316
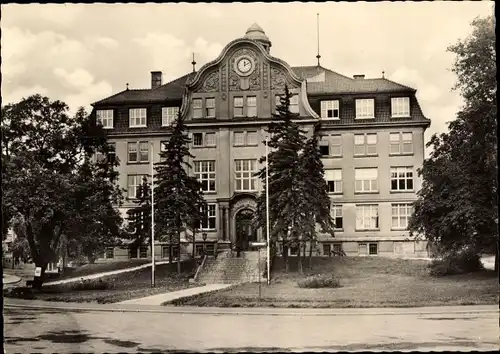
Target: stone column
228, 229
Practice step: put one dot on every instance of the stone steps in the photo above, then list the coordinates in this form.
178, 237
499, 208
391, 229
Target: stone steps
230, 270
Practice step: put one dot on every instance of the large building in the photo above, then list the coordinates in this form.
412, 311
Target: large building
372, 144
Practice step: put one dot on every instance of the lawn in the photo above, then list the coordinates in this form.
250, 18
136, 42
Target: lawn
120, 287
88, 269
365, 282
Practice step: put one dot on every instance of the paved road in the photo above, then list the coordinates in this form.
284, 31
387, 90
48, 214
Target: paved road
28, 330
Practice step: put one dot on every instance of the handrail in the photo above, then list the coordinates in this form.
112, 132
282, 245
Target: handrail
200, 267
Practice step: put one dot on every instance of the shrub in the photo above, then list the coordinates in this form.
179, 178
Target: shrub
319, 281
19, 293
456, 262
91, 284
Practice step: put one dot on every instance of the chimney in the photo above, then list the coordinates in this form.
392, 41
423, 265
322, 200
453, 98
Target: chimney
155, 79
362, 76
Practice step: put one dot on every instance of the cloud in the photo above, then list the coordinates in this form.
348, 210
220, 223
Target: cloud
78, 78
22, 92
173, 55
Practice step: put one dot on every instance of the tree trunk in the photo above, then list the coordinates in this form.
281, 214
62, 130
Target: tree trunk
178, 244
194, 244
310, 253
299, 254
496, 258
285, 256
170, 249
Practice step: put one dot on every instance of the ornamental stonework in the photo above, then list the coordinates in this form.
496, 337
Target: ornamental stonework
253, 81
265, 74
223, 74
211, 83
278, 79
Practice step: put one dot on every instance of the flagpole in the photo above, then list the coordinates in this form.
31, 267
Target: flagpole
152, 220
267, 217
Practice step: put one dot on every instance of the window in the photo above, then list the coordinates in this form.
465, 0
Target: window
210, 249
143, 252
110, 252
337, 216
198, 250
334, 180
401, 215
168, 115
244, 175
252, 138
205, 173
294, 104
373, 249
362, 249
400, 107
209, 217
197, 139
336, 141
138, 151
401, 178
245, 138
330, 109
337, 248
137, 117
365, 144
165, 251
238, 107
324, 145
365, 108
210, 107
251, 106
210, 139
327, 249
133, 183
105, 117
197, 108
366, 180
239, 138
143, 151
367, 217
101, 157
401, 143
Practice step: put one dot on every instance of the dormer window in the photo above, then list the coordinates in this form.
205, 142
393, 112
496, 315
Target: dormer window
168, 115
330, 109
400, 107
137, 117
197, 108
365, 108
105, 117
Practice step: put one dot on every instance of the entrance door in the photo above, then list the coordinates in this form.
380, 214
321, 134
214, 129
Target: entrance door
245, 232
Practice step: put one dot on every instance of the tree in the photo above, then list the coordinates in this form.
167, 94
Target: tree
316, 200
44, 153
178, 196
285, 175
457, 206
140, 216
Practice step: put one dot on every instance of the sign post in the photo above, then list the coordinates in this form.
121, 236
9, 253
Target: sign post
152, 221
259, 245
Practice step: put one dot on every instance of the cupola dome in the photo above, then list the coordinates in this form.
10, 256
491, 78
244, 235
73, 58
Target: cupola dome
256, 33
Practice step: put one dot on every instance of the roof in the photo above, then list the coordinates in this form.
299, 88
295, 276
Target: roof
173, 90
319, 81
325, 81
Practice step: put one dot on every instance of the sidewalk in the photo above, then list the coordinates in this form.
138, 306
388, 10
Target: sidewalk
104, 274
161, 298
10, 280
65, 306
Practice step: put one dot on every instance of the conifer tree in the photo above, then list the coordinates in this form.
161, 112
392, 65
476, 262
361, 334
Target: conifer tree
178, 196
287, 140
139, 217
316, 200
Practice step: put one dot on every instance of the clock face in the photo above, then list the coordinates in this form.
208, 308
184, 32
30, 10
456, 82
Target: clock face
244, 65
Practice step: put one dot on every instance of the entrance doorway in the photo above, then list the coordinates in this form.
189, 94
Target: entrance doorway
245, 232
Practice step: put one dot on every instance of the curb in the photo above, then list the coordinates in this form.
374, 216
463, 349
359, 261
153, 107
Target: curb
262, 311
14, 279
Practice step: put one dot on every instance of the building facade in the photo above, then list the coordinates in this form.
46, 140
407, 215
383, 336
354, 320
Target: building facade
372, 144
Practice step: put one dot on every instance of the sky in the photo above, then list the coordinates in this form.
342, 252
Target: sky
81, 53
